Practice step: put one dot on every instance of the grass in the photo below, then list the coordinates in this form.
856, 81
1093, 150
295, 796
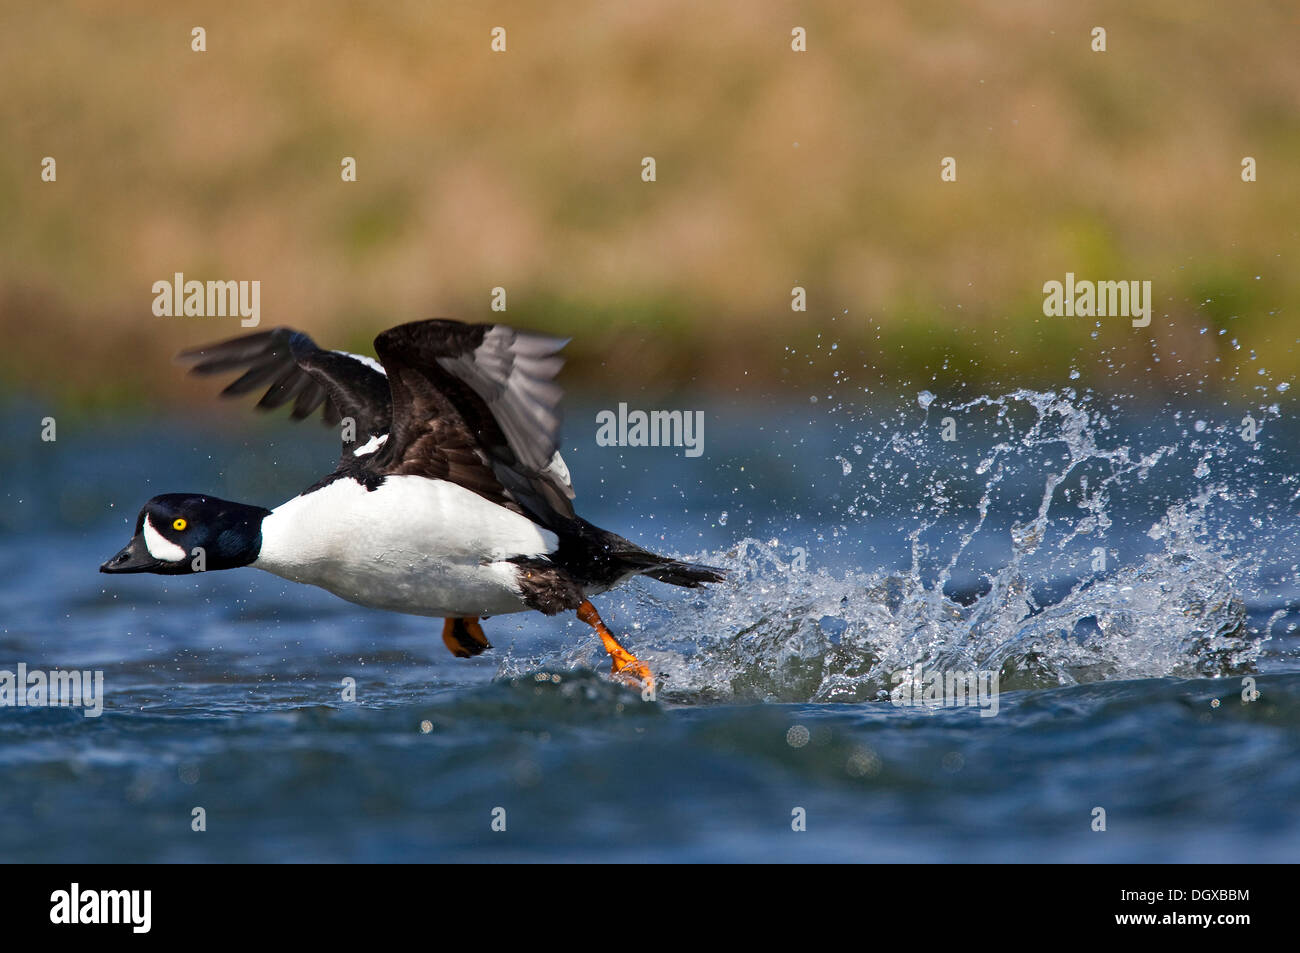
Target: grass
522, 170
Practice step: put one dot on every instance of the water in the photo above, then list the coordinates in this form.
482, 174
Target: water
1128, 571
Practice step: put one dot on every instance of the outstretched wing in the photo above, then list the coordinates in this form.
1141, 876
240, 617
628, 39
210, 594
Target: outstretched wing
477, 404
292, 368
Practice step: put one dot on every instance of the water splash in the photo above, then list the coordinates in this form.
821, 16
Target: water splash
1060, 607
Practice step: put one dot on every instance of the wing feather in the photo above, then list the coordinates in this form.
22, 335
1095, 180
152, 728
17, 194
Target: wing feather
488, 387
476, 404
294, 370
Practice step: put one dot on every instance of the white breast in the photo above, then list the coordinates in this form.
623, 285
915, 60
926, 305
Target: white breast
415, 545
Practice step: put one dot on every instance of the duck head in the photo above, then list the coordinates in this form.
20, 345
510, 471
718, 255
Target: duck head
180, 533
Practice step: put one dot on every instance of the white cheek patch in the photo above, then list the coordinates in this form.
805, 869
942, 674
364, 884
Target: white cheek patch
159, 546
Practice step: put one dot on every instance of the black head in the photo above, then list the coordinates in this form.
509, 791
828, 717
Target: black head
183, 533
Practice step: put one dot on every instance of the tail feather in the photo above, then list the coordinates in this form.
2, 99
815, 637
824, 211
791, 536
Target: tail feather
615, 558
690, 575
675, 572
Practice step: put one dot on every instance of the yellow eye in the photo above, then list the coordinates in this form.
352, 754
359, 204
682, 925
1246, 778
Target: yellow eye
179, 524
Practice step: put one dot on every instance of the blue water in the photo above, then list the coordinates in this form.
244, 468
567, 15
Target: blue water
857, 549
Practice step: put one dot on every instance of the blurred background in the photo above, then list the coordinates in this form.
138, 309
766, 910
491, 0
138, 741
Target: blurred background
775, 168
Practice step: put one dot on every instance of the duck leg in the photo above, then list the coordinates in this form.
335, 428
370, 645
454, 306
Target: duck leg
464, 637
626, 665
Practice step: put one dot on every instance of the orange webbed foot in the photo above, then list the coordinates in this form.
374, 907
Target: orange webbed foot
627, 668
464, 638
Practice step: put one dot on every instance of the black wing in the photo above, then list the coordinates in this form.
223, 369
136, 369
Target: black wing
476, 404
292, 368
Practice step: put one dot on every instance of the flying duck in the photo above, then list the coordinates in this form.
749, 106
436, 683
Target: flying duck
450, 497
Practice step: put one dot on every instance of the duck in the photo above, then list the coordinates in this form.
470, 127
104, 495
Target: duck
450, 498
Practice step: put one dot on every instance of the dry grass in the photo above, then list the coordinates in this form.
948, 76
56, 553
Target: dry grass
774, 168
